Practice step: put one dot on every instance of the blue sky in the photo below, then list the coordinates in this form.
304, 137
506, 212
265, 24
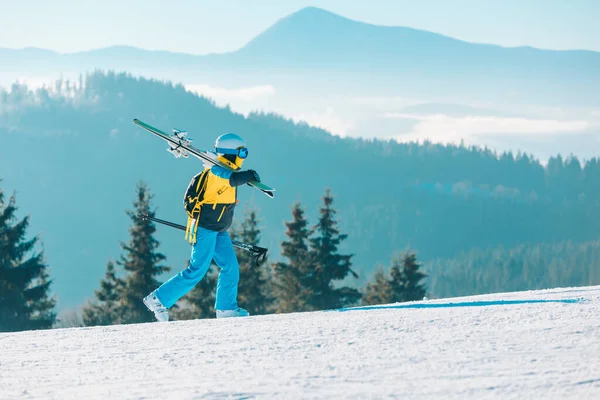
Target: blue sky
204, 26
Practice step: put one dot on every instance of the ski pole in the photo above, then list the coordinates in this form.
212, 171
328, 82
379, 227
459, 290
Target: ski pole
259, 252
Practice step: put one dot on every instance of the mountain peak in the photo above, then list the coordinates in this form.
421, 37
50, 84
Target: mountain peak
316, 17
314, 12
319, 36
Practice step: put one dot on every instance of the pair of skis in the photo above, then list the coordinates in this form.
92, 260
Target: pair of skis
180, 146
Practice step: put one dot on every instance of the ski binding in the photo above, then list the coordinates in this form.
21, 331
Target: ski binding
179, 137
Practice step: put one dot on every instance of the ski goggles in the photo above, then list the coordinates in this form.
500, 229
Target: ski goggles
241, 152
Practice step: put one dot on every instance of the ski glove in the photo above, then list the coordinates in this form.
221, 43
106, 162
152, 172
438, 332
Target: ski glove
240, 178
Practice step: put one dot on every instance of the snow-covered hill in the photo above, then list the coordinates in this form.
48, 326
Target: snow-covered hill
526, 345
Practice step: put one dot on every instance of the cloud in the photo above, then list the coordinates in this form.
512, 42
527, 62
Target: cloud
326, 120
382, 102
220, 95
443, 128
32, 82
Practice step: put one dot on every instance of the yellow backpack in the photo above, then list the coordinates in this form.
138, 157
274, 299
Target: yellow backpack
205, 188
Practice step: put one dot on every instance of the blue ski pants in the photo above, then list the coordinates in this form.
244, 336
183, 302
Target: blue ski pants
209, 245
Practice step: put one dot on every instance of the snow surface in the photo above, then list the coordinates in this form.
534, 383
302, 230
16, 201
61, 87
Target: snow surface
522, 345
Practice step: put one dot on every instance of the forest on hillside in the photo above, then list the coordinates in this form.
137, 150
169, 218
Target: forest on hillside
443, 201
308, 278
524, 267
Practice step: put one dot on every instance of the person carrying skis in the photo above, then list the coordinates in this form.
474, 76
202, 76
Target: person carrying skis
209, 201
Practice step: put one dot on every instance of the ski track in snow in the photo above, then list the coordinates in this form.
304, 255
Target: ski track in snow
462, 348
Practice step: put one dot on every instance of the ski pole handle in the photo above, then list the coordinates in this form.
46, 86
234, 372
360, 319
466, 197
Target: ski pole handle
260, 255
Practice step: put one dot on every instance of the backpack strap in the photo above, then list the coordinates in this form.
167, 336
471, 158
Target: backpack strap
193, 200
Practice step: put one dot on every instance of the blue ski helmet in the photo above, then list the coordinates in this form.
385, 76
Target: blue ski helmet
230, 143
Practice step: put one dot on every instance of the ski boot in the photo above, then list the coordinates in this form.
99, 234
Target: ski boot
238, 312
153, 303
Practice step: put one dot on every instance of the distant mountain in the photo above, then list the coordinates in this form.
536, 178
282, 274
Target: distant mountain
109, 57
316, 48
317, 37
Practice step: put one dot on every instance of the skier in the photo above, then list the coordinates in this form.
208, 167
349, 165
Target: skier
210, 201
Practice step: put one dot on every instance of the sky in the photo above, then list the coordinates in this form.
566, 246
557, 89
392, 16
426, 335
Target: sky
208, 26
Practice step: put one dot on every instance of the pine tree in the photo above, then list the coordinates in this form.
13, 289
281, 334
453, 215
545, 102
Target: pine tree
328, 265
254, 291
199, 302
404, 279
291, 279
410, 277
402, 285
107, 309
396, 281
25, 301
379, 291
140, 261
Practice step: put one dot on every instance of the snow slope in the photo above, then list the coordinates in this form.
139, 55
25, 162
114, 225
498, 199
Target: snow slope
525, 345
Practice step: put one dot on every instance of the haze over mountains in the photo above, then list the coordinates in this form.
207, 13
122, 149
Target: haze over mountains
354, 79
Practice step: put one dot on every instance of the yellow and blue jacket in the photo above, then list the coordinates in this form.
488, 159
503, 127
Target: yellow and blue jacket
211, 198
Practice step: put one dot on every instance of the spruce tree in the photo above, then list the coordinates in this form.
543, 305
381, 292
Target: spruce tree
198, 303
254, 291
396, 282
141, 261
291, 279
328, 264
402, 284
107, 309
404, 280
378, 291
25, 301
411, 277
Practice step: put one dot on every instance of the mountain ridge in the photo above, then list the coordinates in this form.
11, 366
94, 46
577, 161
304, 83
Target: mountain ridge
302, 15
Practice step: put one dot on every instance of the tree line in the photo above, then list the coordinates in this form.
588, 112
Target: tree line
309, 279
313, 273
524, 267
440, 199
445, 200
